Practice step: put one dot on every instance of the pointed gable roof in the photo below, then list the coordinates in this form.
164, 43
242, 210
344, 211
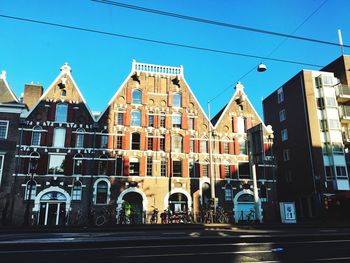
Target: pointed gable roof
6, 93
63, 76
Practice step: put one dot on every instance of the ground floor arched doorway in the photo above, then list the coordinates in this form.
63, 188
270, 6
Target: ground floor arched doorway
178, 203
133, 207
51, 207
244, 206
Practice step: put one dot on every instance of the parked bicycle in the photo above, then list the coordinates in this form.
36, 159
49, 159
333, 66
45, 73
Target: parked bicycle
122, 218
221, 216
104, 217
154, 216
250, 217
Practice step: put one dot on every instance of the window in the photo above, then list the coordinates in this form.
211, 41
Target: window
288, 176
162, 143
162, 119
79, 142
104, 139
176, 143
191, 123
56, 164
331, 102
149, 166
3, 129
280, 95
59, 137
177, 100
327, 80
326, 148
177, 168
341, 171
284, 135
136, 96
76, 191
228, 193
177, 118
101, 192
204, 145
61, 112
120, 118
33, 162
226, 147
163, 167
337, 148
30, 191
333, 124
227, 171
243, 170
78, 164
191, 168
192, 145
286, 155
136, 118
205, 169
320, 103
119, 139
103, 165
63, 93
329, 172
36, 136
150, 142
119, 165
282, 115
263, 193
242, 147
150, 119
323, 125
134, 168
135, 141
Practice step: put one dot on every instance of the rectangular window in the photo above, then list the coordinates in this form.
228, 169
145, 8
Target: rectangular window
78, 166
227, 171
326, 148
177, 120
76, 192
104, 141
228, 194
3, 129
286, 155
331, 102
134, 169
205, 170
284, 135
150, 143
163, 167
150, 119
149, 166
61, 112
162, 143
243, 170
177, 168
329, 172
191, 123
280, 95
333, 124
162, 120
337, 148
226, 147
327, 80
320, 103
59, 137
56, 164
119, 141
191, 168
282, 115
192, 145
323, 125
120, 118
119, 166
341, 171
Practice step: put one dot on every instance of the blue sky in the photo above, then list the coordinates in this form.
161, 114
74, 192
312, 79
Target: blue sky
34, 52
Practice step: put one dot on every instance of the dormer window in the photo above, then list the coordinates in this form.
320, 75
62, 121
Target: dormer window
63, 93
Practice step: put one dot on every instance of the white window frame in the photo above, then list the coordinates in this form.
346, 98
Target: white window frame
138, 119
180, 102
59, 143
66, 113
282, 115
79, 134
7, 129
132, 97
108, 191
284, 135
74, 192
280, 95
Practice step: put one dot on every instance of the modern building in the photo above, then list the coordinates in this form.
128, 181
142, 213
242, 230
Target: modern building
149, 148
310, 116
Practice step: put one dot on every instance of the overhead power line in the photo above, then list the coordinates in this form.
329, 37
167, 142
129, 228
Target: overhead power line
213, 22
156, 41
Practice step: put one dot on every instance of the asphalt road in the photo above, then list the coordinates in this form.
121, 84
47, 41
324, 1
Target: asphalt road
180, 245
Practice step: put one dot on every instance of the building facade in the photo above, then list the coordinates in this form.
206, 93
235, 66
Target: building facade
309, 114
149, 148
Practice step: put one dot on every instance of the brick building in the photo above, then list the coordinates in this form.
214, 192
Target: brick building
149, 148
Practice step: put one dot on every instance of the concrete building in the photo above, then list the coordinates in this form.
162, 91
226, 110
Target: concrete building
310, 117
149, 148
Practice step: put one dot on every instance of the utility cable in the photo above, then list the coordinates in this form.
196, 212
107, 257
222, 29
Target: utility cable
155, 41
212, 22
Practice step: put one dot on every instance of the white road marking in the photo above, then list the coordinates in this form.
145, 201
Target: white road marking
331, 259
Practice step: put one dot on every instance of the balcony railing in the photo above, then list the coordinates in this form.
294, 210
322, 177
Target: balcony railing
157, 69
343, 92
344, 112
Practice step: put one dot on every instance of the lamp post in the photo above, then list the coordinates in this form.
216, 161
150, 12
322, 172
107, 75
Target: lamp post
212, 176
33, 167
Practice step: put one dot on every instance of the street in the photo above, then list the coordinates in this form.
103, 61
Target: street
229, 244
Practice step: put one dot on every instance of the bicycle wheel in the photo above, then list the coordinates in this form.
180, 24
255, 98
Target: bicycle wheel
100, 220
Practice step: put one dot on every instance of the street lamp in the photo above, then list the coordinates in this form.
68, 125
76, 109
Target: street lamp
212, 178
33, 166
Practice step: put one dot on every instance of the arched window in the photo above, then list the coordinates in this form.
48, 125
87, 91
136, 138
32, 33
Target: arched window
63, 93
136, 118
76, 191
36, 136
103, 165
30, 191
177, 100
135, 141
228, 192
78, 164
61, 112
177, 120
79, 142
204, 145
176, 144
104, 139
34, 157
136, 96
101, 188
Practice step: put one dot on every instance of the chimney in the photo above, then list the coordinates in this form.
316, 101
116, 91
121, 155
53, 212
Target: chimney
32, 93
